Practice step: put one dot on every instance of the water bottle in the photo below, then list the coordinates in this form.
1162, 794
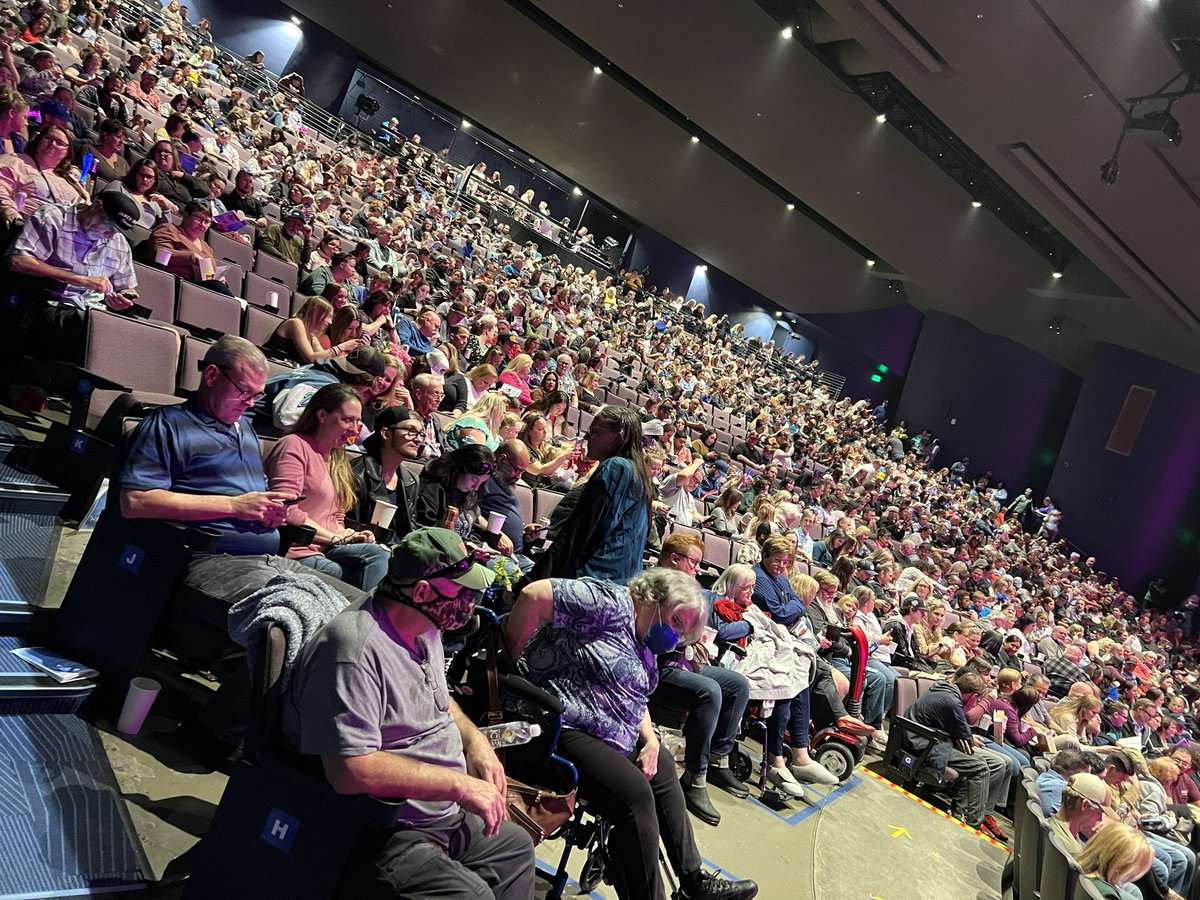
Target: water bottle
511, 734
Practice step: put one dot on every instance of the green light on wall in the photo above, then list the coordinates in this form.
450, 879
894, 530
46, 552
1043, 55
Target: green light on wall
882, 369
877, 378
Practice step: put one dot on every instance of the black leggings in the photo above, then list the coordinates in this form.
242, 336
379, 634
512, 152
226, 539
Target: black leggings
640, 810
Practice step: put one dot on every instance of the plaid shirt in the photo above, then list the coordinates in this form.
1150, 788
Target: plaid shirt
54, 235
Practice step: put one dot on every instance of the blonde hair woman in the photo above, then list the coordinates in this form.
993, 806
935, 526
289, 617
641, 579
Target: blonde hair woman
485, 418
1116, 854
299, 337
516, 375
1071, 715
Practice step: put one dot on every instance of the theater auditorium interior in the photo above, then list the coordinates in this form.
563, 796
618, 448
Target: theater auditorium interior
633, 448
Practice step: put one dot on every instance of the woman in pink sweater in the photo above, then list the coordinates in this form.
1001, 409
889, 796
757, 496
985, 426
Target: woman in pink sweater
311, 462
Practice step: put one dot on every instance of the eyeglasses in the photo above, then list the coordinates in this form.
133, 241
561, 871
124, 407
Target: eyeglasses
692, 562
243, 393
411, 432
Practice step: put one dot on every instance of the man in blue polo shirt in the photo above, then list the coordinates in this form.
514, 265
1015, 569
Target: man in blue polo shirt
200, 463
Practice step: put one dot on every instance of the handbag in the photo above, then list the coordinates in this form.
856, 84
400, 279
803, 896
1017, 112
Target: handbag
540, 811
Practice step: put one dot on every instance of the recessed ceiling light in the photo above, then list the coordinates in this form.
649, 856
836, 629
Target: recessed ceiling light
701, 268
976, 204
791, 206
597, 70
466, 124
870, 263
787, 33
778, 314
695, 139
881, 118
1056, 274
576, 191
296, 20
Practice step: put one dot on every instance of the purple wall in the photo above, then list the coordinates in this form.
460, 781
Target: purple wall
888, 335
1012, 405
1139, 514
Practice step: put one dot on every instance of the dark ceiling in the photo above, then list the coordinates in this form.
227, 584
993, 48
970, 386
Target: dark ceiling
1033, 87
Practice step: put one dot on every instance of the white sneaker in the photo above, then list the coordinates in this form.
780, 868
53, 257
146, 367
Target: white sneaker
814, 773
782, 779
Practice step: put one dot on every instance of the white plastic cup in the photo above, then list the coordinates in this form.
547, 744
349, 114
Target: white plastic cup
138, 701
496, 522
162, 257
273, 299
383, 513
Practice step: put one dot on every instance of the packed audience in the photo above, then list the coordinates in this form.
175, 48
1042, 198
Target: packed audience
436, 369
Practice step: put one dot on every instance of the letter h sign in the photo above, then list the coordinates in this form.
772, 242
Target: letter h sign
280, 830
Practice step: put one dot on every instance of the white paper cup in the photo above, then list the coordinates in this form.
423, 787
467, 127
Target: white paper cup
496, 522
162, 257
383, 514
207, 268
273, 299
138, 701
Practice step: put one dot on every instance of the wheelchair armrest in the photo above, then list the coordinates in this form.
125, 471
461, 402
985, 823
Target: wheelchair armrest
530, 693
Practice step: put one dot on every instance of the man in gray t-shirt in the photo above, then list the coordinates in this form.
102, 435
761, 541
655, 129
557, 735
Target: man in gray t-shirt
369, 697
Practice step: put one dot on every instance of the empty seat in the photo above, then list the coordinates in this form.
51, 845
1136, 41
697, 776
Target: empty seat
258, 290
193, 351
716, 549
260, 325
137, 354
234, 276
201, 308
276, 269
545, 502
156, 291
230, 249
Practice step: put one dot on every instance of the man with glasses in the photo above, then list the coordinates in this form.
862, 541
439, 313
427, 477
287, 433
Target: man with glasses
353, 704
199, 463
714, 698
380, 473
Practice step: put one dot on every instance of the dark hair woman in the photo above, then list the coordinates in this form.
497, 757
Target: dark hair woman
138, 184
453, 480
604, 533
42, 174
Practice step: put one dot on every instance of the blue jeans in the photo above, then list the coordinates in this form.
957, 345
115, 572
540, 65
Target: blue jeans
1017, 759
1179, 860
877, 690
890, 675
789, 716
360, 565
715, 699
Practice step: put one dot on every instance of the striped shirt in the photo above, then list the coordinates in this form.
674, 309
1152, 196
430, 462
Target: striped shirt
54, 235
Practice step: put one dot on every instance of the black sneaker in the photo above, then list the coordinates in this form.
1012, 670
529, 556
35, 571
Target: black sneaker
707, 886
727, 781
699, 804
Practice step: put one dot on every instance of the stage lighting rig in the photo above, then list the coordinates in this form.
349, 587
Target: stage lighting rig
1156, 126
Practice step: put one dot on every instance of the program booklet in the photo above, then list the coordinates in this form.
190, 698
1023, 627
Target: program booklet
55, 665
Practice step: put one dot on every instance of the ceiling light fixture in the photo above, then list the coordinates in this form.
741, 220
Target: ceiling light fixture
597, 70
466, 124
695, 139
791, 206
976, 204
1056, 274
778, 314
576, 191
787, 33
870, 263
701, 269
296, 20
881, 118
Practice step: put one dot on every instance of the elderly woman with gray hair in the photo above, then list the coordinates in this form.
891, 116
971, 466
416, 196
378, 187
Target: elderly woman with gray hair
595, 645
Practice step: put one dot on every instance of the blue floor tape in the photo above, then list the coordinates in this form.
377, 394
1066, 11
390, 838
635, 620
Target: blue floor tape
815, 806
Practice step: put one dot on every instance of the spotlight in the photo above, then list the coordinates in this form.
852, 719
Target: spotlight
1110, 170
881, 118
1056, 274
787, 33
1158, 128
791, 206
976, 204
778, 314
597, 70
466, 124
695, 139
296, 20
576, 191
701, 269
870, 263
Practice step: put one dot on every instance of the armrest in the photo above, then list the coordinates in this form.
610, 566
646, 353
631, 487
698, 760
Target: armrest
530, 693
207, 334
912, 727
197, 538
97, 381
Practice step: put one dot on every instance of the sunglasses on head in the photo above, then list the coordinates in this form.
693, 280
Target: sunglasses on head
453, 570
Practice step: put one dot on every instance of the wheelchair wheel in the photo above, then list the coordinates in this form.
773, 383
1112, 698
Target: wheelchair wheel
592, 872
740, 764
837, 758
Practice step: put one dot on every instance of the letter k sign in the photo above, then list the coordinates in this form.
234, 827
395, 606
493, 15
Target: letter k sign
131, 558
